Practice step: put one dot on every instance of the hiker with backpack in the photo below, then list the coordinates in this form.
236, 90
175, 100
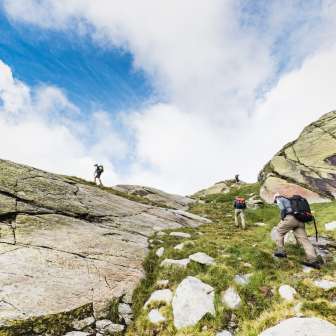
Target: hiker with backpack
239, 206
294, 213
99, 170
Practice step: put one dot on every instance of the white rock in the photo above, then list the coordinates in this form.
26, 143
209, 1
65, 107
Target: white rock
160, 251
260, 224
179, 246
330, 226
224, 333
325, 284
193, 299
77, 333
113, 329
231, 298
202, 258
162, 283
124, 309
191, 216
287, 292
102, 324
161, 234
180, 234
306, 269
242, 279
155, 316
162, 295
81, 324
180, 262
298, 310
301, 327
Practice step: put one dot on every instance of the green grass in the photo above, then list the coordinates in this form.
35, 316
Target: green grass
238, 252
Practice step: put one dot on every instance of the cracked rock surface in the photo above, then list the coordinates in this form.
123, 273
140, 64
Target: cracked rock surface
306, 166
77, 245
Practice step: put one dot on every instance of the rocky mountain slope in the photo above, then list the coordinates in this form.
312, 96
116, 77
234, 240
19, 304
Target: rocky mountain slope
70, 250
306, 166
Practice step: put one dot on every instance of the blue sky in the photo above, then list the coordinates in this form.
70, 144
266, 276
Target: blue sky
175, 95
92, 76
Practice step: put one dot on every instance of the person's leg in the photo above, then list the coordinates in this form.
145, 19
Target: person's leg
301, 236
100, 182
242, 219
287, 224
236, 217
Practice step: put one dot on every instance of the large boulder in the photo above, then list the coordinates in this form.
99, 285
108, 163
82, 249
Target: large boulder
79, 248
306, 166
221, 187
302, 327
157, 196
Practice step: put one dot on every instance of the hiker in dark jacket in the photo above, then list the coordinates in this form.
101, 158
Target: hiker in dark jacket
289, 222
239, 206
99, 170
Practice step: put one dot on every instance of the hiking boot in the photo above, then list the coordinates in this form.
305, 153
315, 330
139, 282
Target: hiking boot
280, 254
314, 264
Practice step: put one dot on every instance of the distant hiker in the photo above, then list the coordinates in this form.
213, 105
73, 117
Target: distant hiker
295, 212
239, 206
237, 178
99, 170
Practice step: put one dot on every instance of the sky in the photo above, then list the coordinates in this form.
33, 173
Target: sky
171, 94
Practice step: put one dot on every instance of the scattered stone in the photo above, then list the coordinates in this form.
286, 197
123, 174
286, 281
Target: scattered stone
193, 299
306, 269
102, 324
77, 333
180, 234
127, 298
224, 333
202, 258
231, 298
242, 279
330, 226
155, 316
308, 326
161, 234
323, 242
179, 246
113, 329
171, 262
298, 310
325, 284
260, 224
125, 312
287, 292
160, 295
159, 252
81, 324
246, 264
160, 284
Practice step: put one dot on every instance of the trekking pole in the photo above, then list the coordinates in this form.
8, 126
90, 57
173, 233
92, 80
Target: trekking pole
316, 232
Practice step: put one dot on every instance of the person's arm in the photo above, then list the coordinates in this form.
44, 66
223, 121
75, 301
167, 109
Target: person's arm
282, 208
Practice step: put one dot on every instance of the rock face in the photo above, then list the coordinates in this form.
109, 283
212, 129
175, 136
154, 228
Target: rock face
157, 196
306, 166
193, 299
78, 248
301, 327
217, 188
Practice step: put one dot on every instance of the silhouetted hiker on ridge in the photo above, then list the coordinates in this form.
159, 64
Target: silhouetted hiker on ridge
237, 178
99, 170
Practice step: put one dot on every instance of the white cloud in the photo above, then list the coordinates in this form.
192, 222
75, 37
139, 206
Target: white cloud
210, 69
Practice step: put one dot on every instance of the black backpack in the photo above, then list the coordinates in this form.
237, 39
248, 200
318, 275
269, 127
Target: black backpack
240, 203
301, 210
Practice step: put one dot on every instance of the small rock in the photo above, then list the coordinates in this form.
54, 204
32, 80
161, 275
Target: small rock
330, 226
155, 316
159, 252
306, 269
287, 292
231, 298
325, 284
246, 264
162, 284
298, 310
180, 234
113, 329
171, 262
243, 279
127, 298
202, 258
193, 299
224, 333
179, 246
301, 327
161, 234
77, 333
161, 295
102, 324
260, 224
81, 324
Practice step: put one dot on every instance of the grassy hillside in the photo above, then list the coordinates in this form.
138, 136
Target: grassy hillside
238, 252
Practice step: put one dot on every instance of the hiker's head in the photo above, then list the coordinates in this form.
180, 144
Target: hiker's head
276, 195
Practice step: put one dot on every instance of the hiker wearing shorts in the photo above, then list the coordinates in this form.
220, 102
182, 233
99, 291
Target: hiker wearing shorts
239, 209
